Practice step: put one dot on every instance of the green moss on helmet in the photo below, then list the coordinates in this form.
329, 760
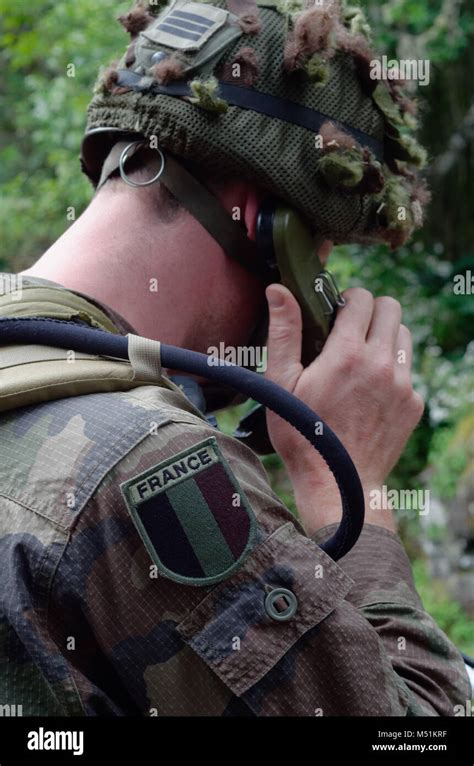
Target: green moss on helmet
290, 6
318, 69
205, 95
355, 18
341, 170
413, 151
386, 104
410, 121
395, 211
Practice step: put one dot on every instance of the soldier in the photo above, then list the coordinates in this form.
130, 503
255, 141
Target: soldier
148, 567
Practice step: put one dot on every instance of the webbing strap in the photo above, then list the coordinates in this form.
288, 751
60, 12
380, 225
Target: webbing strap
145, 358
203, 206
207, 209
16, 356
112, 161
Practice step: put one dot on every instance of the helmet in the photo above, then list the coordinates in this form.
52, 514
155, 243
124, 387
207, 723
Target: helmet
281, 93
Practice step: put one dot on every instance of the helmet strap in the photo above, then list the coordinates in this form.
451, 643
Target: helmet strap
201, 204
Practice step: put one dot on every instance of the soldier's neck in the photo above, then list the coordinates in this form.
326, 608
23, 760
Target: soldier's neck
169, 281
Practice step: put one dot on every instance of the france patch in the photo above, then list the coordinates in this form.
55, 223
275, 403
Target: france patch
192, 515
188, 26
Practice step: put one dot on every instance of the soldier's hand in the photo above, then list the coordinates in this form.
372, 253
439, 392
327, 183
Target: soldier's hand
360, 384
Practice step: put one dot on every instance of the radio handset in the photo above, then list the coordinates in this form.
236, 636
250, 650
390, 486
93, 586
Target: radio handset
291, 250
301, 271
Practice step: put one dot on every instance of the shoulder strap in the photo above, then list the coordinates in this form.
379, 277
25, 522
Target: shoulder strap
34, 373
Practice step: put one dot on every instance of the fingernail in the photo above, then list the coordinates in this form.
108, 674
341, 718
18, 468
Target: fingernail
275, 299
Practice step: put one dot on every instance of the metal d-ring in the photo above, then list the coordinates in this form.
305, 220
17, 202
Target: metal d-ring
340, 300
123, 159
335, 298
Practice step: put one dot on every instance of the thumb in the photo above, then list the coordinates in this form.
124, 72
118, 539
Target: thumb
284, 337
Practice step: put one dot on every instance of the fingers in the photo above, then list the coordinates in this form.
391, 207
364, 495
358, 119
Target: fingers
284, 337
403, 353
352, 321
364, 325
375, 321
412, 401
385, 324
373, 324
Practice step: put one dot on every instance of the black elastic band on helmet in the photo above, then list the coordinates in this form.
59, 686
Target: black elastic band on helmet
257, 101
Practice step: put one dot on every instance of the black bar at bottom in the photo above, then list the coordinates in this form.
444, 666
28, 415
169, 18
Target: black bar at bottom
152, 740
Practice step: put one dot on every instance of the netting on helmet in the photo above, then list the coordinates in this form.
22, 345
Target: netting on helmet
318, 57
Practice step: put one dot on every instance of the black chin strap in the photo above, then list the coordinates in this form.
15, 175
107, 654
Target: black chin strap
200, 203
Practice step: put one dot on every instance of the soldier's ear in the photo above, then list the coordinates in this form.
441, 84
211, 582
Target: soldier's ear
254, 200
325, 251
241, 199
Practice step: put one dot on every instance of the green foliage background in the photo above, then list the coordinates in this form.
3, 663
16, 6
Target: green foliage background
50, 54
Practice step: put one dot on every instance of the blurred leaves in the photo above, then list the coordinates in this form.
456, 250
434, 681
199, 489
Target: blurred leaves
43, 113
445, 611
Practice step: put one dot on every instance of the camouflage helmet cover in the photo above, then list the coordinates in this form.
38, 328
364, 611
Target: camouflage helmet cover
277, 92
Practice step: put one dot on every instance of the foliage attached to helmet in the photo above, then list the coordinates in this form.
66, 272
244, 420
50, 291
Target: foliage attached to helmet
277, 92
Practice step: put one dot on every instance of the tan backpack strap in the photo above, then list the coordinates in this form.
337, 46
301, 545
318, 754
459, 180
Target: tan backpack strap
145, 358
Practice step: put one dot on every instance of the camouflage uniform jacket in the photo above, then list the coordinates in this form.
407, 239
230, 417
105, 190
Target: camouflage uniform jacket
90, 623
